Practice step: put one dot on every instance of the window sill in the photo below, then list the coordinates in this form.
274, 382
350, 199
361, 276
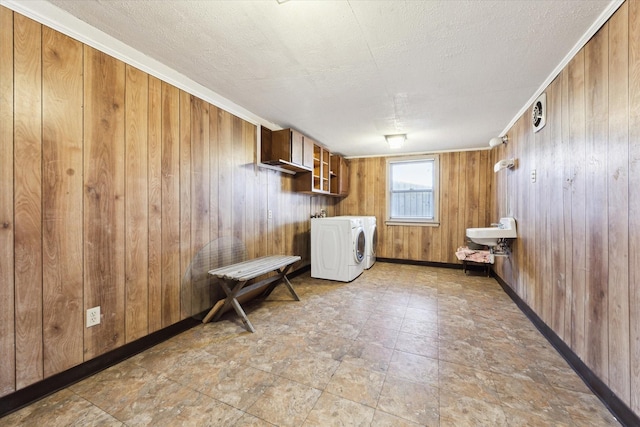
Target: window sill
412, 223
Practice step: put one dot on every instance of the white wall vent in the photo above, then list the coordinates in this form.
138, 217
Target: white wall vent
539, 116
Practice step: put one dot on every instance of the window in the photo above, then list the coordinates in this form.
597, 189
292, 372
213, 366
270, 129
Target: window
412, 190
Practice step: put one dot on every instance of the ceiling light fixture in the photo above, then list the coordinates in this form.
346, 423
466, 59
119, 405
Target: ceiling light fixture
494, 142
396, 141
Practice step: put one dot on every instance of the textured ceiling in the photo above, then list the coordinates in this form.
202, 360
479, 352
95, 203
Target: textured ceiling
451, 74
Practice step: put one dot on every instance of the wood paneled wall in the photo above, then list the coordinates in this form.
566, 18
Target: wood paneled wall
465, 189
576, 262
111, 181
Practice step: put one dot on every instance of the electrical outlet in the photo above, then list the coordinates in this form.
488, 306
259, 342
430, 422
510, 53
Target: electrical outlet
93, 316
532, 175
269, 214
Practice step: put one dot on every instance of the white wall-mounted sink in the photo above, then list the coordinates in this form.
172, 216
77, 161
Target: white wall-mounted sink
489, 236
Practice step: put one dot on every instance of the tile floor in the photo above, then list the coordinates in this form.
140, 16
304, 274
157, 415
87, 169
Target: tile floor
402, 345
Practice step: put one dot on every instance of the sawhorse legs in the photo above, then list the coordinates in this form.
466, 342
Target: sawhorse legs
235, 289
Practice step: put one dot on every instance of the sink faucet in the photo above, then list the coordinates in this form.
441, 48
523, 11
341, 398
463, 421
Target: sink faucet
497, 224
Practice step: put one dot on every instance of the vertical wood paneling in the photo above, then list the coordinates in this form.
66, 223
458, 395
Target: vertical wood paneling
634, 201
414, 243
187, 251
577, 141
7, 307
529, 231
62, 90
170, 204
214, 160
379, 193
117, 192
238, 180
521, 182
484, 188
542, 284
200, 191
263, 232
155, 203
596, 77
567, 170
618, 205
371, 169
104, 227
449, 171
28, 200
254, 212
136, 204
472, 171
593, 121
556, 211
225, 173
462, 191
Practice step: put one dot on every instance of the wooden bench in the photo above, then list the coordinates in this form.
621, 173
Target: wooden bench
234, 277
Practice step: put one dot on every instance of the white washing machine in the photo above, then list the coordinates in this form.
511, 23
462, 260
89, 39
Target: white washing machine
337, 248
369, 225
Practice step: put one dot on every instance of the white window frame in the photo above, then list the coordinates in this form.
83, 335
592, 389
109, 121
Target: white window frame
420, 221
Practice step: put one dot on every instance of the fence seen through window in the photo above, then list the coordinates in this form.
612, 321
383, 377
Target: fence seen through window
412, 189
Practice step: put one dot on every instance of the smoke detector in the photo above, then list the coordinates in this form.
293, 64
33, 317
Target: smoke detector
539, 116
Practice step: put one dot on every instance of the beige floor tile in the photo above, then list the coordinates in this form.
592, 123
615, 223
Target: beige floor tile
382, 419
402, 345
325, 345
384, 337
356, 383
462, 410
585, 408
248, 420
239, 387
409, 400
370, 355
416, 344
420, 327
331, 410
285, 403
383, 320
466, 352
307, 368
422, 314
537, 418
61, 409
415, 368
461, 380
522, 394
139, 397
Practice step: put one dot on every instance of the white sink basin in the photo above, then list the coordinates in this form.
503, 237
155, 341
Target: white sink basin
489, 236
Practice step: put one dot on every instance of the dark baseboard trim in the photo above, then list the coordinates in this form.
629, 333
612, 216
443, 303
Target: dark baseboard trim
423, 263
470, 267
616, 406
23, 397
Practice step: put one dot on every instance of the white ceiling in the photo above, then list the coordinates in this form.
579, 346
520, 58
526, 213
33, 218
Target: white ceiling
450, 74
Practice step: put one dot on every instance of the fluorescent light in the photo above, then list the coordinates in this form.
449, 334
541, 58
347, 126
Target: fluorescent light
395, 141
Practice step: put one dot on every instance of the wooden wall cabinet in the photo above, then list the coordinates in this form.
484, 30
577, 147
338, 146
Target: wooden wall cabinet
317, 170
288, 149
329, 175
